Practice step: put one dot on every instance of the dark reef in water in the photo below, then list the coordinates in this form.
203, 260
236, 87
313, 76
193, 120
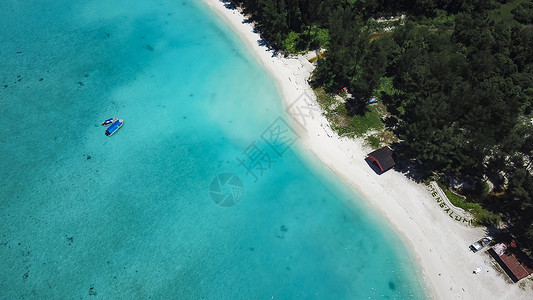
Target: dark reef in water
92, 292
282, 230
149, 48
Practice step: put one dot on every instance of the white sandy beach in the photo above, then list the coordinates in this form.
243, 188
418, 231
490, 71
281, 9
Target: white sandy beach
439, 243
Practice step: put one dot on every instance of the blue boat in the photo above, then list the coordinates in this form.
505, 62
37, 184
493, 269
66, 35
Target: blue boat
114, 127
109, 121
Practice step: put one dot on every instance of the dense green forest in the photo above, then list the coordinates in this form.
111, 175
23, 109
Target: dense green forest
456, 78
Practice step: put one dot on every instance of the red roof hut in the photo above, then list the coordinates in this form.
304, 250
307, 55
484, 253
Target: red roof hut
382, 158
514, 266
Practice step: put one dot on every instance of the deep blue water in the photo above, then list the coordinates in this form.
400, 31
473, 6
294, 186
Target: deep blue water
83, 215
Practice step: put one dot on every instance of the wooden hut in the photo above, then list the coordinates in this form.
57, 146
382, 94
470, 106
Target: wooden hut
512, 260
382, 158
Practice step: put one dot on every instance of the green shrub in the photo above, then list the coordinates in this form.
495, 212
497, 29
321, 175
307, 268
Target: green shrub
385, 87
321, 37
487, 218
373, 142
291, 42
485, 188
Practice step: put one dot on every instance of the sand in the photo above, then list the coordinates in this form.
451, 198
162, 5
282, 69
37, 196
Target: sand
439, 243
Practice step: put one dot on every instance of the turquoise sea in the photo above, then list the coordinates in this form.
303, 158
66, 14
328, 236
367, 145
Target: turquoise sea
204, 193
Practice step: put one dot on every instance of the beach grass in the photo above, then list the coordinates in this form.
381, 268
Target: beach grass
324, 99
370, 121
369, 125
383, 137
373, 141
481, 215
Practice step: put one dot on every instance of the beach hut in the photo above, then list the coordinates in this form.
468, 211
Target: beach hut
515, 263
382, 158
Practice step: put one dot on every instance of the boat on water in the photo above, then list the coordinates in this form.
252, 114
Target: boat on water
114, 127
109, 121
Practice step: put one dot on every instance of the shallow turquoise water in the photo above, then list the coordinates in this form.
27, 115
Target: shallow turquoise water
131, 216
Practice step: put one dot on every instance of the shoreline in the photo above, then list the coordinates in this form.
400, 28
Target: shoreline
437, 243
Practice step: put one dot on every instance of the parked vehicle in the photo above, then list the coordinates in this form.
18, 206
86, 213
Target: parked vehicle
481, 244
